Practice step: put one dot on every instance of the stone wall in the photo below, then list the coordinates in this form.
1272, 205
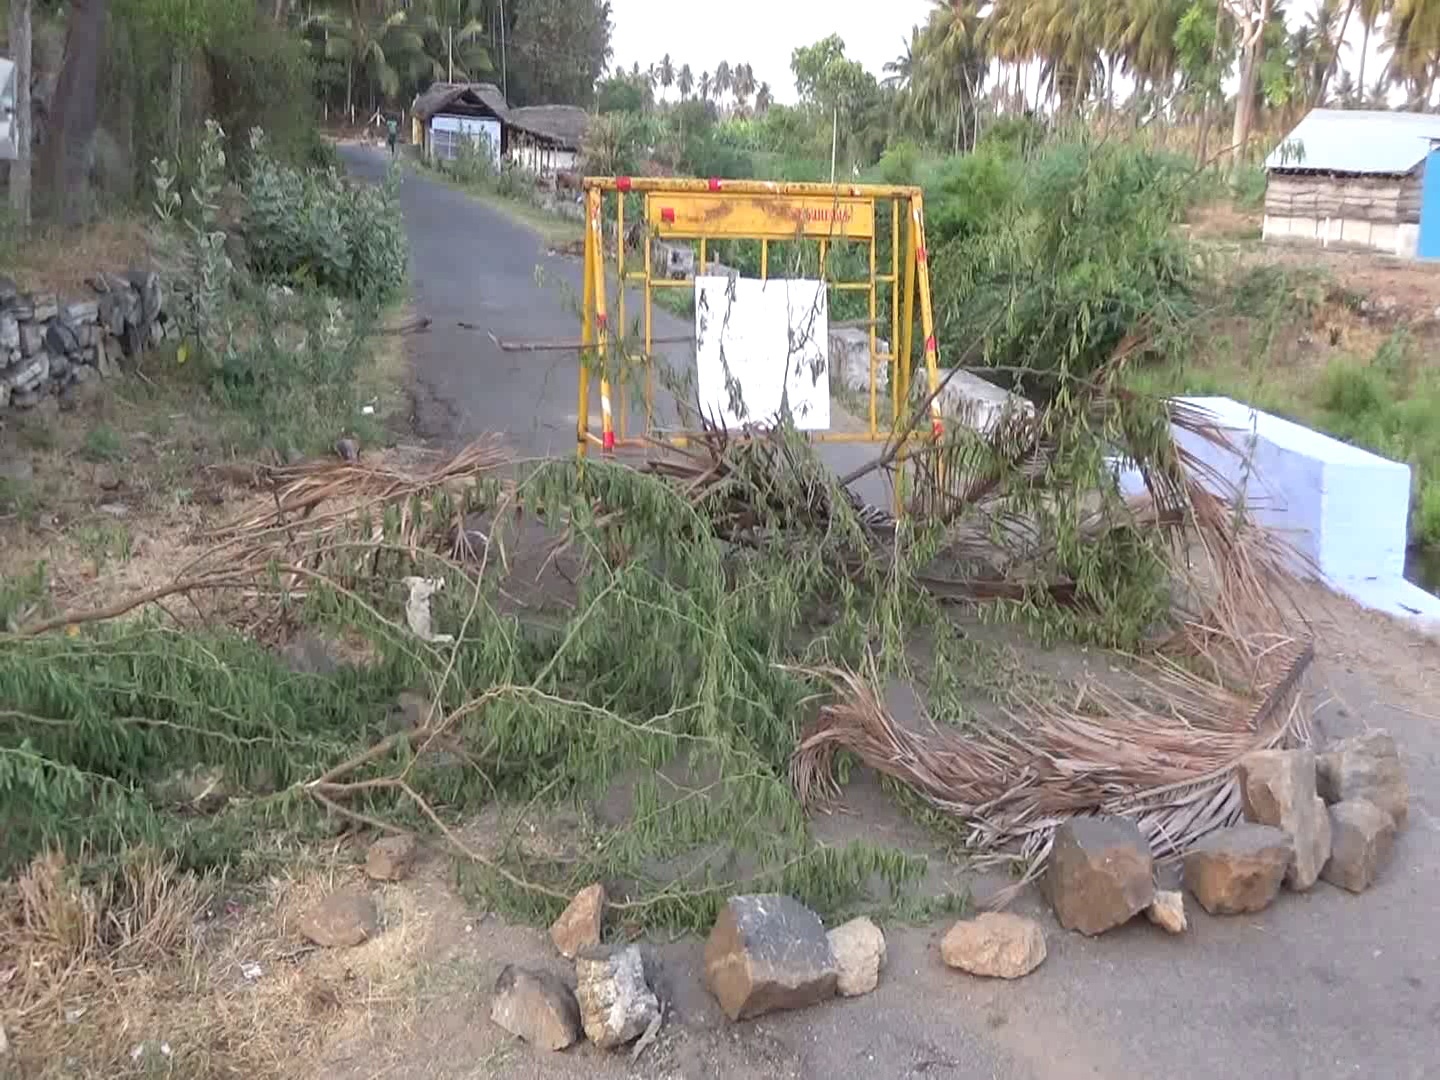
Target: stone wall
48, 345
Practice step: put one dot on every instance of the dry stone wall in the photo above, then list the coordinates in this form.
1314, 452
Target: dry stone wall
48, 345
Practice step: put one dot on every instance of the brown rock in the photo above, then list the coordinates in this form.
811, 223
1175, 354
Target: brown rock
766, 953
1364, 836
859, 948
536, 1006
341, 920
578, 926
616, 1003
1238, 869
1277, 787
1365, 767
1100, 873
390, 859
1168, 912
997, 944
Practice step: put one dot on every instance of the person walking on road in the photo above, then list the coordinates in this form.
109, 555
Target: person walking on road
392, 133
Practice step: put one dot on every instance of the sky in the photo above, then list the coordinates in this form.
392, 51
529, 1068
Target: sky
764, 32
761, 33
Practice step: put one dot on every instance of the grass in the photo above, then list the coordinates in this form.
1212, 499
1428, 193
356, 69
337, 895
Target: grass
557, 232
102, 443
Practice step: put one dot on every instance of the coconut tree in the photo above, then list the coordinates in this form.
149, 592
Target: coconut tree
705, 86
764, 97
667, 72
685, 81
723, 81
456, 37
744, 80
1369, 12
377, 52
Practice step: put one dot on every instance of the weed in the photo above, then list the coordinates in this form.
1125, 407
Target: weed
104, 541
102, 443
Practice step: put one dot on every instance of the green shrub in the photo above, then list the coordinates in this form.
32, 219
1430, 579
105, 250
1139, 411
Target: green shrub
316, 226
1355, 396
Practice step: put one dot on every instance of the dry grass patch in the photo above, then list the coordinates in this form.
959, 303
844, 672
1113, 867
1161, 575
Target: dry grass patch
153, 972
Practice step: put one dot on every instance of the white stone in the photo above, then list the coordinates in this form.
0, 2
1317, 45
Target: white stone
859, 948
976, 403
850, 359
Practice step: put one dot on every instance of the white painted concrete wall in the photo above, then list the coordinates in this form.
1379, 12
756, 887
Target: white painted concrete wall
978, 404
473, 127
1393, 239
1343, 509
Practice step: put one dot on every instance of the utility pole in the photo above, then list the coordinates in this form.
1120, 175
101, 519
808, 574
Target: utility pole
450, 53
834, 140
504, 69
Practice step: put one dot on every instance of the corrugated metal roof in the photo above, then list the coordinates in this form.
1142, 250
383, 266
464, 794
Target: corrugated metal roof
1357, 141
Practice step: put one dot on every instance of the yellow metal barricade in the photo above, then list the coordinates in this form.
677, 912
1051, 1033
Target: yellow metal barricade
705, 210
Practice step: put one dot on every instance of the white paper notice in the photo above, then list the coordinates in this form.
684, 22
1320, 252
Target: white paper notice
761, 346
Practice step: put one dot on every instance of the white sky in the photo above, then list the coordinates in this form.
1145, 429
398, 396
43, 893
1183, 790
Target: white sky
761, 33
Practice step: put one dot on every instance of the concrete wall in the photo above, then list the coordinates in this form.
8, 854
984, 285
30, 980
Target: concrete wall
1400, 239
540, 159
444, 130
1344, 510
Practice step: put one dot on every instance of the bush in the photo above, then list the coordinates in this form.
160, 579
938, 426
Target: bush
316, 226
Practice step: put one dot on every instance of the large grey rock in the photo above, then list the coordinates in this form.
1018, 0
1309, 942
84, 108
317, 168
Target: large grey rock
1101, 873
979, 404
1366, 767
61, 338
43, 307
341, 920
9, 332
768, 952
537, 1007
579, 925
997, 944
147, 284
82, 312
30, 373
850, 359
59, 365
859, 948
1277, 787
616, 1002
32, 336
1364, 836
1238, 869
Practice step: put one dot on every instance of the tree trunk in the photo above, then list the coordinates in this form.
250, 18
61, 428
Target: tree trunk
1364, 48
1245, 95
1334, 58
20, 167
177, 99
1205, 119
65, 160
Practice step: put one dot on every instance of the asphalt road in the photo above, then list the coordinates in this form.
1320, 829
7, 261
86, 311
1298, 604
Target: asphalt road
1321, 985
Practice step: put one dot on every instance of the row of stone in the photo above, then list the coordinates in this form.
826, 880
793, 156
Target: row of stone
1306, 817
46, 347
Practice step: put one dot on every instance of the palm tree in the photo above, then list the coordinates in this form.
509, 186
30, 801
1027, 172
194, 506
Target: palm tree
455, 32
764, 98
900, 71
685, 81
945, 70
667, 72
744, 83
705, 86
1326, 26
723, 80
1370, 12
378, 52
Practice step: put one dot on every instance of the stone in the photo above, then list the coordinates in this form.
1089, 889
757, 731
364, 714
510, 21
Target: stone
9, 332
768, 952
32, 336
390, 858
61, 338
850, 359
1100, 873
84, 373
83, 312
537, 1007
59, 365
201, 787
4, 394
43, 307
1365, 767
1238, 869
859, 948
578, 926
31, 373
25, 399
106, 477
309, 653
341, 920
979, 404
152, 297
9, 291
1364, 836
1167, 911
996, 944
348, 449
1277, 787
616, 1003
